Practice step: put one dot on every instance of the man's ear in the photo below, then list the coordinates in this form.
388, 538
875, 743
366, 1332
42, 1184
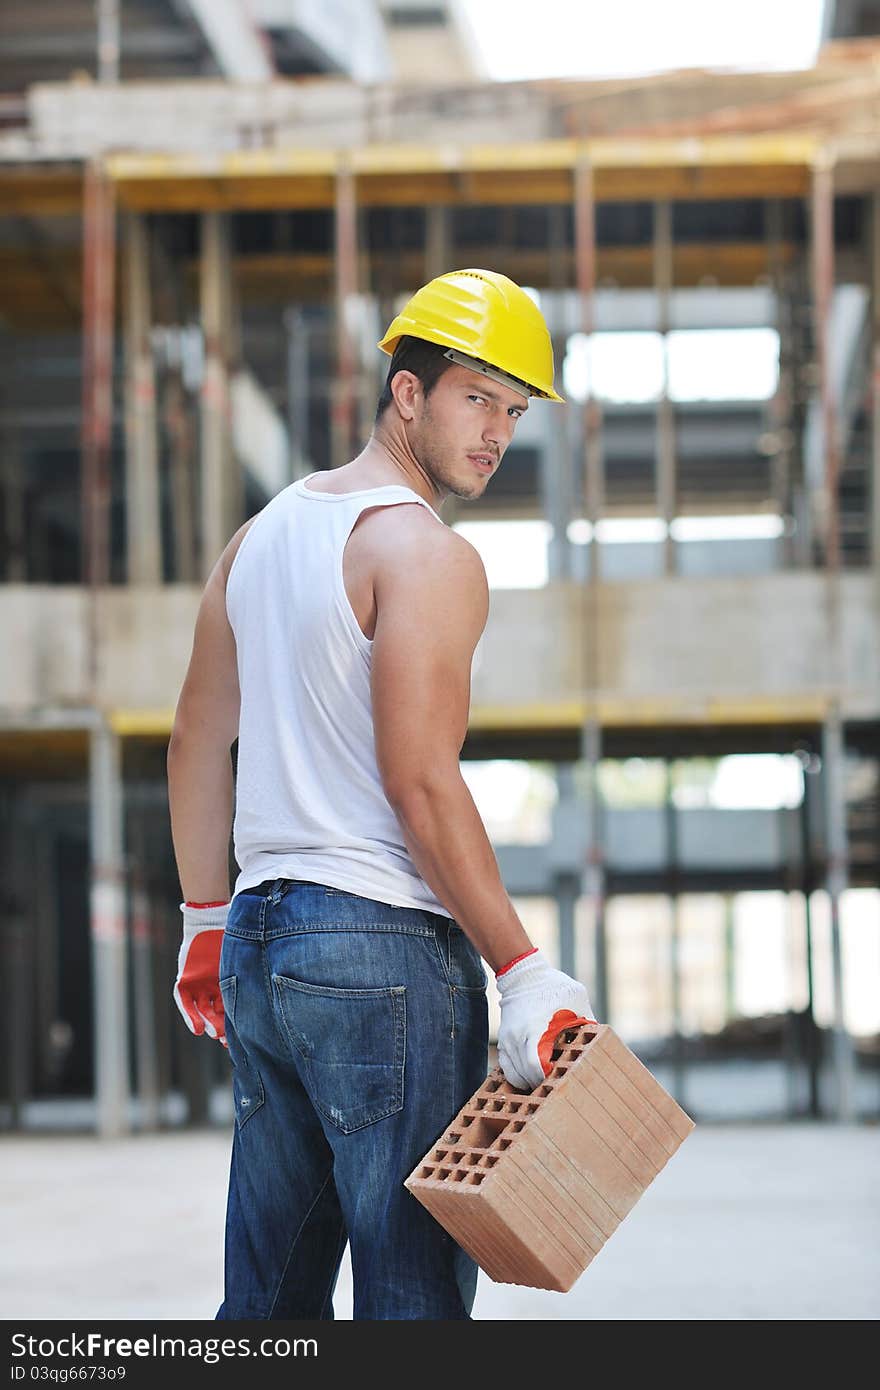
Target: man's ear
406, 390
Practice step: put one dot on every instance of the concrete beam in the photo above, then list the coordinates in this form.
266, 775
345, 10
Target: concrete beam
693, 648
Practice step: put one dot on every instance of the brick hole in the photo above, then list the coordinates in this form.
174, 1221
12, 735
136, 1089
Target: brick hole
530, 1109
497, 1105
545, 1090
501, 1144
439, 1155
452, 1138
475, 1178
479, 1104
444, 1173
459, 1175
473, 1159
484, 1130
517, 1126
560, 1071
426, 1173
456, 1158
513, 1106
492, 1086
490, 1160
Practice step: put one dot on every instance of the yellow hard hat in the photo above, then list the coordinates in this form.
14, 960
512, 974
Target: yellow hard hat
486, 317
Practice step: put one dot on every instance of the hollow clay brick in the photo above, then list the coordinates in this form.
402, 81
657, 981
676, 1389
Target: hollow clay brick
532, 1184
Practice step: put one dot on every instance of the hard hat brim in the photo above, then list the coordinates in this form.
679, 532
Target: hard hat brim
393, 337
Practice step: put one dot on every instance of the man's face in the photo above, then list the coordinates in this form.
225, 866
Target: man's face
459, 434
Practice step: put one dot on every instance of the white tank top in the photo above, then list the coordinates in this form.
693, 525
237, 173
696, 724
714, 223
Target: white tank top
309, 800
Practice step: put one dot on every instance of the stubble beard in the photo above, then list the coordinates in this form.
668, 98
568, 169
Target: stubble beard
445, 471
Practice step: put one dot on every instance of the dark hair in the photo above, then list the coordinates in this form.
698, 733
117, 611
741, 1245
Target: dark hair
425, 360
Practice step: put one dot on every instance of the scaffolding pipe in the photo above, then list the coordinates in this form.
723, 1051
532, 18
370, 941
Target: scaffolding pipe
97, 388
296, 328
142, 516
672, 857
107, 930
593, 879
96, 425
221, 500
779, 411
142, 974
808, 883
555, 465
180, 432
837, 873
108, 40
825, 500
874, 487
343, 408
665, 438
436, 241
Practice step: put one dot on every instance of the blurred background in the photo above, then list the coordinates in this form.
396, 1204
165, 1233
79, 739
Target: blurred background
209, 212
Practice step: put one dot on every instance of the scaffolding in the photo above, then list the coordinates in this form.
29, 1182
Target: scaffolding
797, 149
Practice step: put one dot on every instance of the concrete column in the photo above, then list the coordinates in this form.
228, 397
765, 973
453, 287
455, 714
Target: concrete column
590, 459
146, 1058
779, 414
566, 893
344, 385
162, 911
44, 930
824, 499
297, 329
13, 483
564, 865
671, 822
16, 1062
222, 484
107, 914
837, 858
667, 482
369, 369
98, 322
593, 871
729, 956
874, 490
108, 40
436, 241
556, 471
181, 448
807, 819
142, 513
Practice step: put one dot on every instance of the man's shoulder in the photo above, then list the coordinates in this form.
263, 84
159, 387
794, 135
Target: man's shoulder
415, 527
232, 547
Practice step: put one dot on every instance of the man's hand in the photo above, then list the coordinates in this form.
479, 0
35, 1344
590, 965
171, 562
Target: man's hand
537, 1003
197, 987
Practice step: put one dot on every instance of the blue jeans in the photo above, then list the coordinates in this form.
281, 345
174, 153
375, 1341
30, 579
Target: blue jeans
356, 1031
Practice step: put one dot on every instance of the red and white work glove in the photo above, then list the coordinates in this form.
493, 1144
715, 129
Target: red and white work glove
197, 987
537, 1003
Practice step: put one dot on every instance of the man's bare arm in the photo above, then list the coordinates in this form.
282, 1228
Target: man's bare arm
200, 782
432, 602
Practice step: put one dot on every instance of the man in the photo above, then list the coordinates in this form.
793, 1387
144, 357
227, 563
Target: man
335, 640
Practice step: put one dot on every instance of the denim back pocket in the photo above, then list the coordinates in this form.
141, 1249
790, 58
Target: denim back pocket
247, 1086
352, 1047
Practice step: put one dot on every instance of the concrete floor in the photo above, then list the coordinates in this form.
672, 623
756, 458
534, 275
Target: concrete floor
745, 1222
